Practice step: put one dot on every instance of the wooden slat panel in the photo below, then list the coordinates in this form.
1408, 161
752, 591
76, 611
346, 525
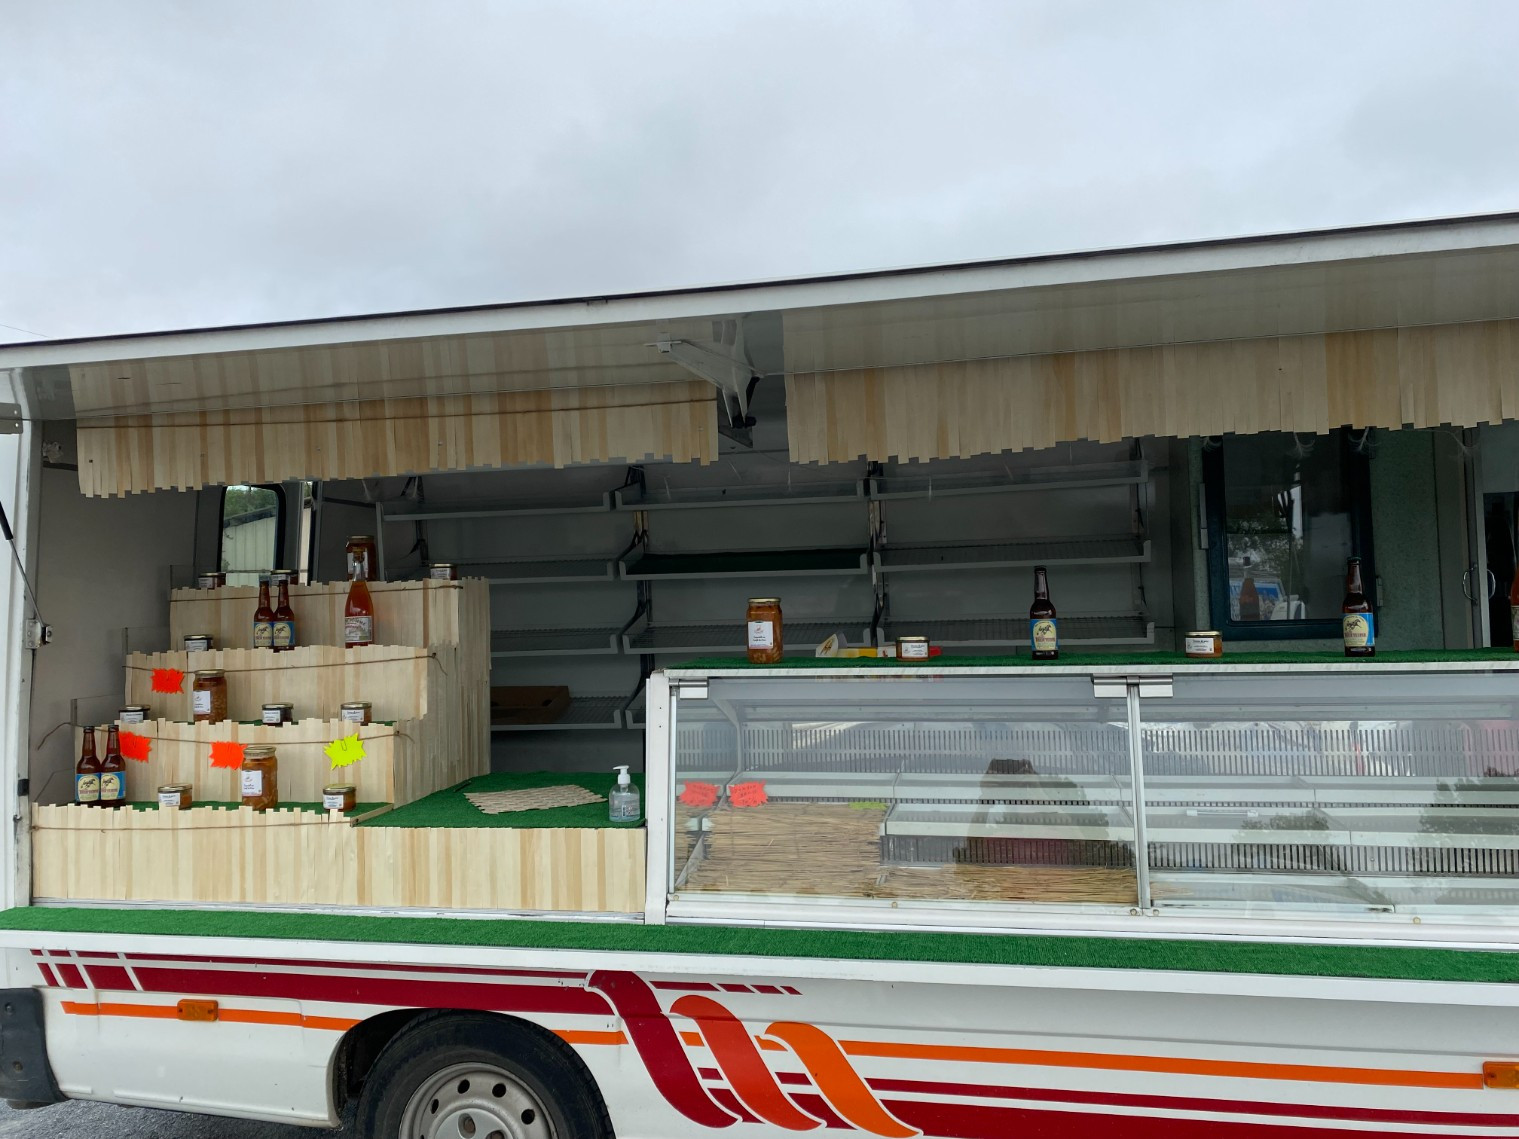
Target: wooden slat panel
1457, 375
633, 422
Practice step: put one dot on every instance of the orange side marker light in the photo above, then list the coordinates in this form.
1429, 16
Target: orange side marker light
203, 1011
1501, 1074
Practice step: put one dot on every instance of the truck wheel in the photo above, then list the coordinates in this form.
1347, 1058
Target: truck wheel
479, 1077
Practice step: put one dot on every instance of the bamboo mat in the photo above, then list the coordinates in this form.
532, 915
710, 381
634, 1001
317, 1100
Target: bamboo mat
835, 850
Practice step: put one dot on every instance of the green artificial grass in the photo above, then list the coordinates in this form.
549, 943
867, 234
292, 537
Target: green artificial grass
314, 808
449, 807
1068, 659
1382, 962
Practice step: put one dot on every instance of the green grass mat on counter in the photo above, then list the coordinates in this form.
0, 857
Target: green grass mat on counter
1385, 962
449, 807
1089, 660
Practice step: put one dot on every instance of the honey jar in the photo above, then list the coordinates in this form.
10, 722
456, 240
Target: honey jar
211, 579
764, 630
355, 712
912, 648
260, 777
276, 715
208, 697
339, 797
134, 714
1203, 645
175, 797
199, 642
443, 571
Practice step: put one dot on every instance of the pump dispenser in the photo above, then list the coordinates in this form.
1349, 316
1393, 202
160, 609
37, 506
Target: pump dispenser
622, 804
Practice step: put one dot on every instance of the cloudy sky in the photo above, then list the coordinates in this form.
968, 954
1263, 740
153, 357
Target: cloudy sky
171, 164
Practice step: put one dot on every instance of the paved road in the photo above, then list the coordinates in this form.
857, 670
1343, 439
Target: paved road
106, 1121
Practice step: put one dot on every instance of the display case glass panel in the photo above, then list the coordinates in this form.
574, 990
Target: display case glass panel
973, 790
1381, 791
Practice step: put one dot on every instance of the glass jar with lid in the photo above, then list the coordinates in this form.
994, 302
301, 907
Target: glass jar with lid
260, 777
208, 696
363, 555
764, 630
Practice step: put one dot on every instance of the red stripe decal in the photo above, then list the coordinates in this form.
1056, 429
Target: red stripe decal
112, 977
733, 1047
684, 986
48, 975
836, 1078
659, 1047
768, 990
815, 1104
734, 988
726, 1097
1187, 1103
69, 975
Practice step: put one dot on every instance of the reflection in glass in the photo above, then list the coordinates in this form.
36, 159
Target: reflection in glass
250, 533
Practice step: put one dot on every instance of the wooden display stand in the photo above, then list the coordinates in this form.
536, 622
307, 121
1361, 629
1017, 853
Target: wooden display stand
428, 681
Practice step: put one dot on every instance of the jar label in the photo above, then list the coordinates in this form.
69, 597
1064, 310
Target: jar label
440, 573
914, 650
200, 702
358, 630
132, 716
253, 784
1200, 646
87, 788
1042, 635
353, 715
282, 635
332, 802
263, 634
274, 717
112, 786
762, 634
168, 800
1360, 630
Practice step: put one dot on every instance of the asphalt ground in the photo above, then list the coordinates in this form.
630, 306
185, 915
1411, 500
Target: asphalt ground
80, 1120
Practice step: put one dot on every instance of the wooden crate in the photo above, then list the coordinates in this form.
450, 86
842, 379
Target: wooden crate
300, 858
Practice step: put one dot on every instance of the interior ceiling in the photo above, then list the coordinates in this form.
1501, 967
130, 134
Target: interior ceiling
1467, 271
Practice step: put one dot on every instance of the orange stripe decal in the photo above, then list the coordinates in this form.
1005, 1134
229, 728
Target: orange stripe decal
236, 1016
575, 1036
1386, 1077
692, 1040
838, 1081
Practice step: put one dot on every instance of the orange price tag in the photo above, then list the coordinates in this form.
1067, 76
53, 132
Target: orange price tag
134, 746
699, 795
748, 795
227, 753
168, 680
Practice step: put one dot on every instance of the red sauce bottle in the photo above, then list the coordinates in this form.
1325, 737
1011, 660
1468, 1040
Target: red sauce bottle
358, 613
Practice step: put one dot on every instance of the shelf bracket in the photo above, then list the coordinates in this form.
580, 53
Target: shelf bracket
724, 363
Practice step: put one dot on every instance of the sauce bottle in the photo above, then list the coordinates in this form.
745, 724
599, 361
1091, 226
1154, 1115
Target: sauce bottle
282, 636
1513, 609
1249, 597
113, 772
1358, 624
1044, 640
87, 773
263, 617
358, 613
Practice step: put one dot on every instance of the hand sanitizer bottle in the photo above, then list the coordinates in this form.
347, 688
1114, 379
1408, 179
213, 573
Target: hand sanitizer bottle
622, 804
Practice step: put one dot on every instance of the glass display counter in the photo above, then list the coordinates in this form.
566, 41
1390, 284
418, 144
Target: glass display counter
1347, 789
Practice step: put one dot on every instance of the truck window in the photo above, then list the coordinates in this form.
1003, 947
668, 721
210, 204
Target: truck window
252, 531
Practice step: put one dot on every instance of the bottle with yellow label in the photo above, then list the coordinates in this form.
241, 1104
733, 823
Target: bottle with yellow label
87, 773
1043, 633
113, 772
1358, 624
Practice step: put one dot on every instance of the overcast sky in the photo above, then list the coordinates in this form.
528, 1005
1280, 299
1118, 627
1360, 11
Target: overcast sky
165, 165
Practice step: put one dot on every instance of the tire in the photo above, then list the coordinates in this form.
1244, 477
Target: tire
470, 1076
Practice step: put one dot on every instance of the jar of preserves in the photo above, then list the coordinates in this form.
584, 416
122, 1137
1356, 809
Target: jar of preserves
260, 777
912, 648
175, 797
443, 571
277, 715
356, 712
134, 714
208, 696
339, 797
199, 642
1203, 645
211, 579
766, 644
363, 554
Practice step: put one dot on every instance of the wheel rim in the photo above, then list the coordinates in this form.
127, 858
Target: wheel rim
475, 1101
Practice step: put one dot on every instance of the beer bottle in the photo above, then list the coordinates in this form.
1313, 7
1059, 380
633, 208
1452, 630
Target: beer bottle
282, 636
1249, 597
1043, 638
87, 773
1358, 623
1513, 609
113, 772
263, 617
358, 613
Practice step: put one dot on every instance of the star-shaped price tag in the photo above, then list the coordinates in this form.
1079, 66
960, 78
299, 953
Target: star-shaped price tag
748, 795
698, 794
134, 746
227, 753
168, 680
345, 751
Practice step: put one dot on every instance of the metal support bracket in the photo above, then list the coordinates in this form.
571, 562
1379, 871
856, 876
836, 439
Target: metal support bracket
10, 419
723, 362
1117, 687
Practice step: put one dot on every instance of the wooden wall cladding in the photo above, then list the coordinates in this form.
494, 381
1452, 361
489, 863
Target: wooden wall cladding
301, 858
1459, 375
361, 439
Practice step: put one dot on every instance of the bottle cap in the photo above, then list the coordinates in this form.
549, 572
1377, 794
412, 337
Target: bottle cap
622, 775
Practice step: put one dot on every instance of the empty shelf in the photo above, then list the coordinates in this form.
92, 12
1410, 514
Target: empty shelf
746, 563
553, 642
697, 497
1007, 555
569, 570
558, 504
1001, 632
1131, 473
729, 639
585, 713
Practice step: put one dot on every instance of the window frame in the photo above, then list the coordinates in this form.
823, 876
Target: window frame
280, 519
1355, 469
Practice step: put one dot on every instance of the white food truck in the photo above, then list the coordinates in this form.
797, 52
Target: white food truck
1137, 889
